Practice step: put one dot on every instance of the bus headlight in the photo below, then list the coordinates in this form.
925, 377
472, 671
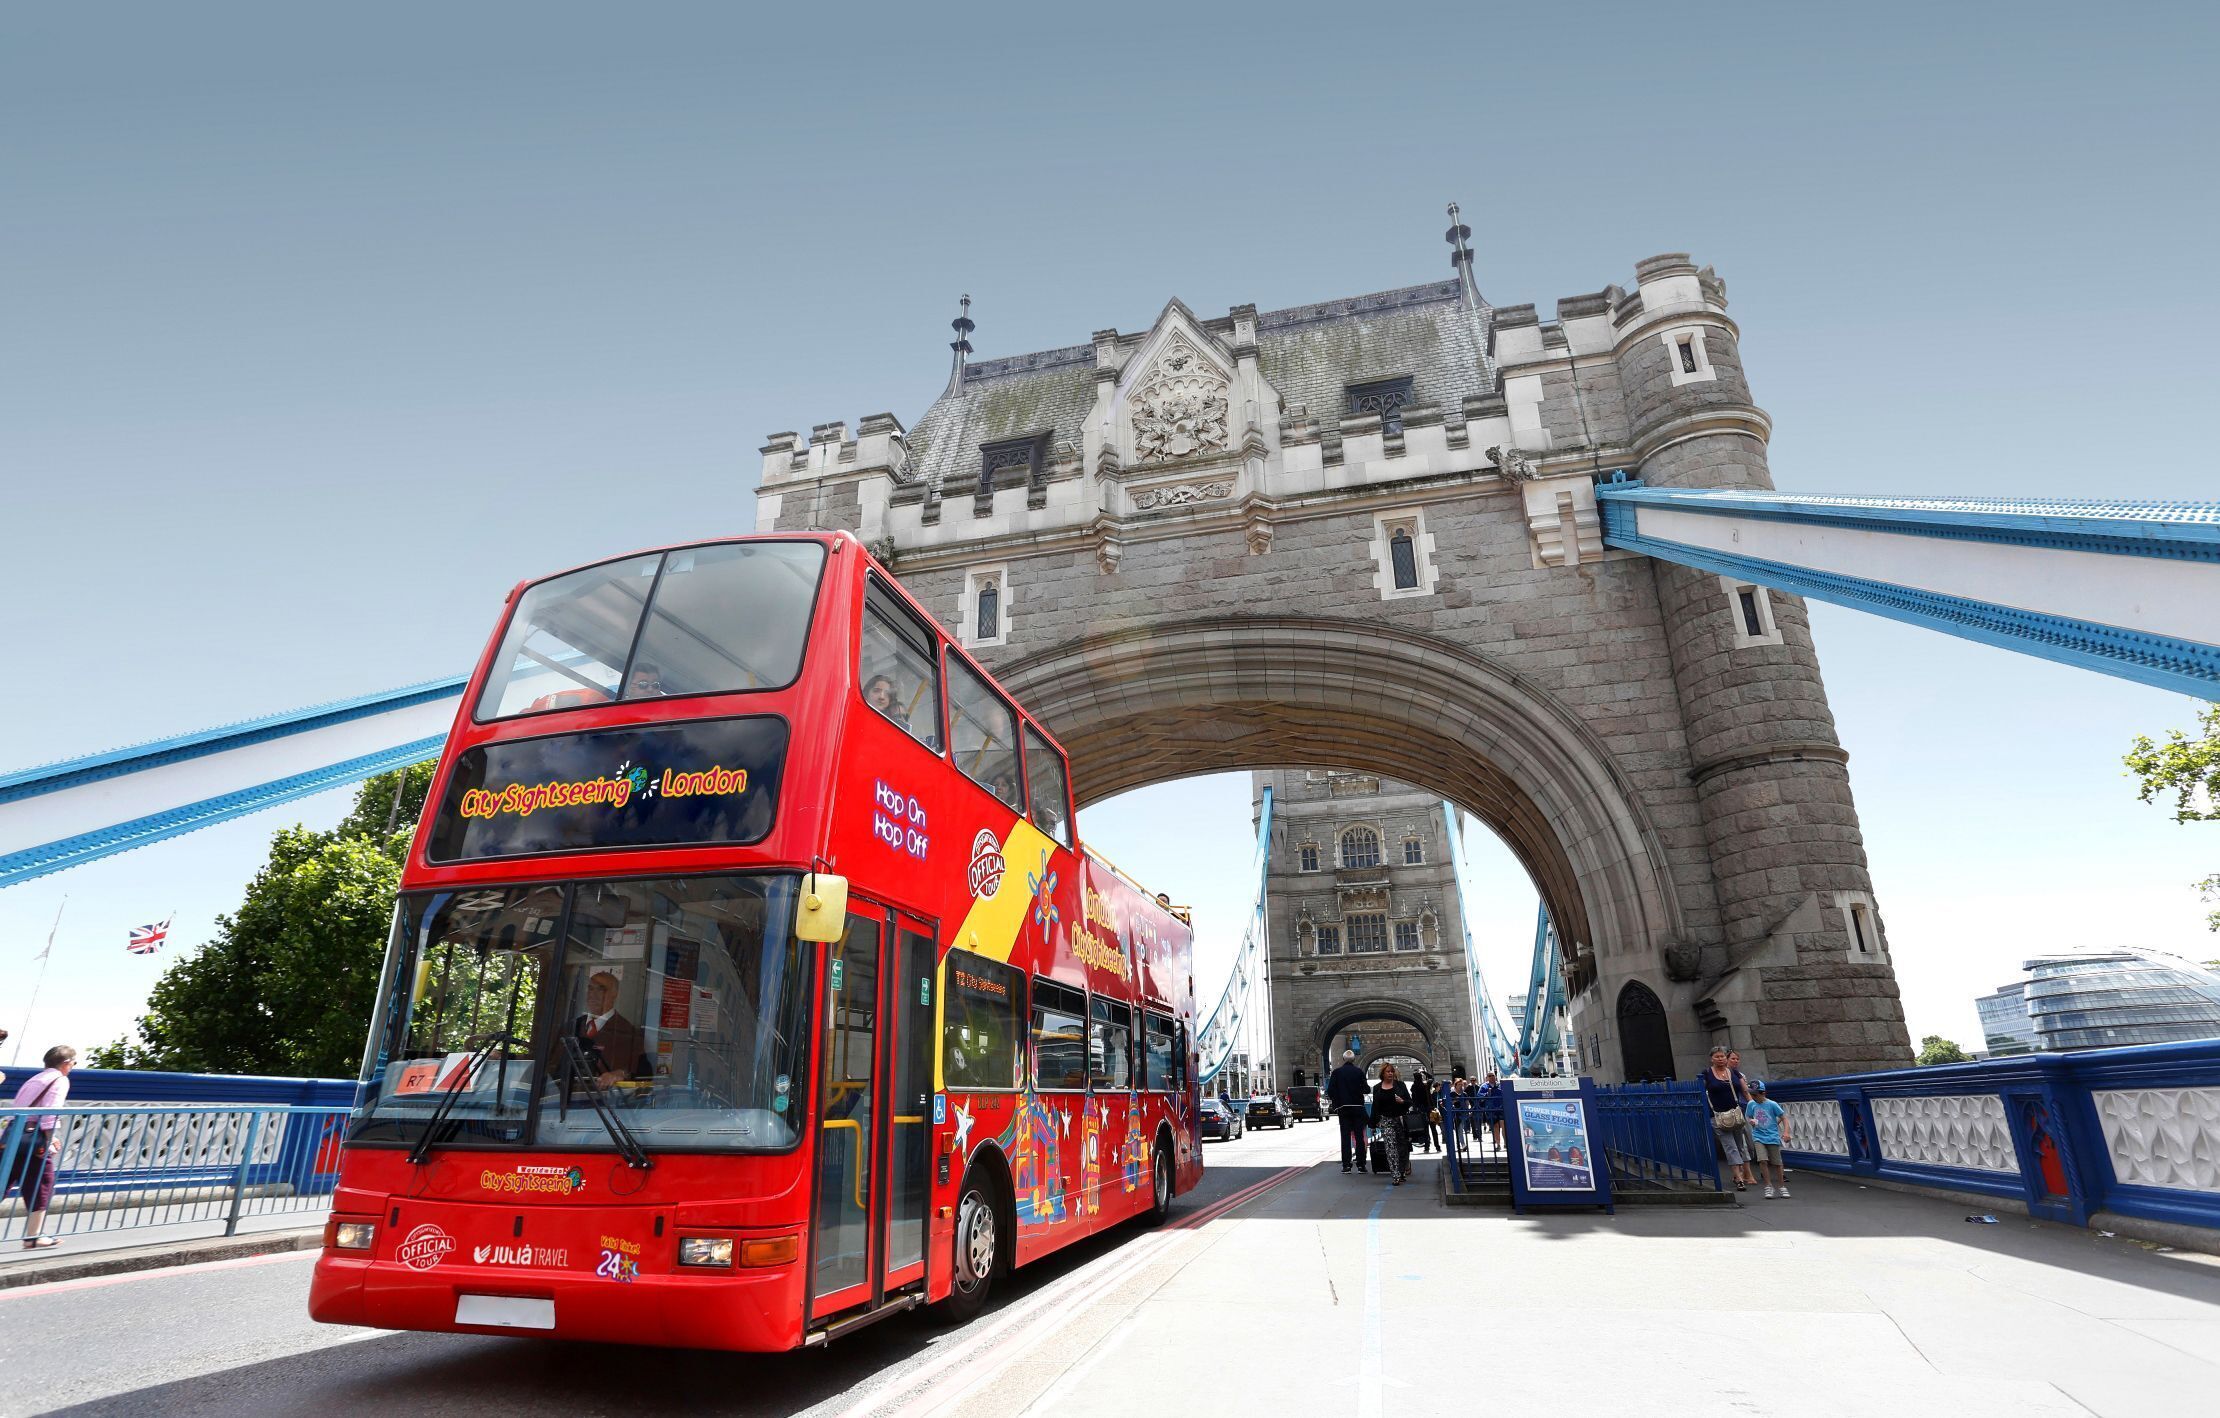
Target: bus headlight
353, 1235
705, 1250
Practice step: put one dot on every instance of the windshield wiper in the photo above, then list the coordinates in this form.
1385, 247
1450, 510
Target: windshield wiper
422, 1151
581, 1070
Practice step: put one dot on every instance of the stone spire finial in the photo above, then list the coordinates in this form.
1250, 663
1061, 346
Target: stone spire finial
961, 345
1460, 256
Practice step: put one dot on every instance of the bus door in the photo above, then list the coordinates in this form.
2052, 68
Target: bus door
867, 1229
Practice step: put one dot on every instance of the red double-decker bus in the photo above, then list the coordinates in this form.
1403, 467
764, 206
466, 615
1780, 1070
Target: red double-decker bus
749, 981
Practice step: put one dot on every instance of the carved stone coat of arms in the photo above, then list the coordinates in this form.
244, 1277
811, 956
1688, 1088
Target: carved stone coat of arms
1180, 409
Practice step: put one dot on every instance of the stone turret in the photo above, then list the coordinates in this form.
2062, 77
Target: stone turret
1799, 975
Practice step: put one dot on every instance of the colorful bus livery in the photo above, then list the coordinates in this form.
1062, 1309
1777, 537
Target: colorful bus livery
749, 982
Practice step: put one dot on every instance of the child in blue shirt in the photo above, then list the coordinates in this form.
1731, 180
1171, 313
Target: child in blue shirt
1768, 1133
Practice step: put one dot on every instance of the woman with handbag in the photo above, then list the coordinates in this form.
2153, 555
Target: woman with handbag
35, 1157
1723, 1092
1391, 1105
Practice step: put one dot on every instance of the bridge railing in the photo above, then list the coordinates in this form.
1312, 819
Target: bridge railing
122, 1167
2131, 1132
1657, 1135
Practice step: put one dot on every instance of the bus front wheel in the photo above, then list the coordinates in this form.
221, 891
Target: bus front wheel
978, 1249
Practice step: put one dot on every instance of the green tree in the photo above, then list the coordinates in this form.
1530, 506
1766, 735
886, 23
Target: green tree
288, 982
2188, 769
1935, 1049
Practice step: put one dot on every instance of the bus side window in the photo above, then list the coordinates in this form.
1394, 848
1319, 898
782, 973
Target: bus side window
985, 729
1110, 1045
1157, 1073
896, 665
983, 1013
1050, 787
1059, 1037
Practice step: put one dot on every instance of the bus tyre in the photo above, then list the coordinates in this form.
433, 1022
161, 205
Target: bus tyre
978, 1249
1160, 1185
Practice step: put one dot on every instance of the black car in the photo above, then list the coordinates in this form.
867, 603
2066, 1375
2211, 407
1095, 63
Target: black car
1306, 1103
1269, 1110
1219, 1121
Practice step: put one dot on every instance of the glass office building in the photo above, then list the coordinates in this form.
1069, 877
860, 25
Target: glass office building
2103, 999
2004, 1021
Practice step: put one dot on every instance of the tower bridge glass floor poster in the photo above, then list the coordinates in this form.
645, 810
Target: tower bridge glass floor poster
1554, 1159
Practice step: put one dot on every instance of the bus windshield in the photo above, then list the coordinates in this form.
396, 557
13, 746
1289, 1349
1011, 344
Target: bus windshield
699, 620
683, 997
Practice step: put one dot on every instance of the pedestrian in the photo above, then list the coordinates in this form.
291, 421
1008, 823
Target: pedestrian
1345, 1091
1391, 1106
1489, 1111
1769, 1132
1723, 1094
1422, 1111
35, 1158
1742, 1090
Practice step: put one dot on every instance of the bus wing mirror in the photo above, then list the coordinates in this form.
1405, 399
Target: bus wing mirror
823, 914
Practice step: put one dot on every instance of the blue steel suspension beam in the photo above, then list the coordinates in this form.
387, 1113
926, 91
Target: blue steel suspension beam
2130, 589
66, 814
1232, 1018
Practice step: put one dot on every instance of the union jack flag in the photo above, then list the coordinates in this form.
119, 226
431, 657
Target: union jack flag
145, 940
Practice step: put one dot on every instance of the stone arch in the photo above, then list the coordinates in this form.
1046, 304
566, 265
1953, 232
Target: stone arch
1146, 702
1337, 1019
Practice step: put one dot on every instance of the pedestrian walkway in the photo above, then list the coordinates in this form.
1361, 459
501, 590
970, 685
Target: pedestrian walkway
1336, 1295
145, 1247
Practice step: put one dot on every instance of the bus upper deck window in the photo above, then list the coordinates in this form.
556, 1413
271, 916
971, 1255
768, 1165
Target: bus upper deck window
1050, 791
710, 619
985, 730
895, 665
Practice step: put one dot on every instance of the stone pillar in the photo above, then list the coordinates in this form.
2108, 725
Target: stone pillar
1796, 981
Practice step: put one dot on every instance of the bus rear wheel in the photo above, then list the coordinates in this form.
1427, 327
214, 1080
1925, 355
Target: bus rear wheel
978, 1250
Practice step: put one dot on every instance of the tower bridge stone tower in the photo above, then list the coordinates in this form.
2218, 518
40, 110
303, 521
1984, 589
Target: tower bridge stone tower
1362, 534
1366, 924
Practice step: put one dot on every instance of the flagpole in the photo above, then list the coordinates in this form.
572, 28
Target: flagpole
25, 1031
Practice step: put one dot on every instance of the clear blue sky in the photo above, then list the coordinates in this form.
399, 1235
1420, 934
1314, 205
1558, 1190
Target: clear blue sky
323, 328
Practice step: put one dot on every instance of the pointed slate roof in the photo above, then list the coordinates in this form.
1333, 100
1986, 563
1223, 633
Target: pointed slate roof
1310, 353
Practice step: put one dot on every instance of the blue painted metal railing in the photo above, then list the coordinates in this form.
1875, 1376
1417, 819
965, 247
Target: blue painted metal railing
2132, 1132
1657, 1134
1472, 1130
1654, 1135
120, 1167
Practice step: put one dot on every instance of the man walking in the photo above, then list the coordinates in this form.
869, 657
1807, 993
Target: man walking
1345, 1091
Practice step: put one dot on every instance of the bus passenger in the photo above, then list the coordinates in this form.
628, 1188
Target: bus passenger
879, 694
647, 683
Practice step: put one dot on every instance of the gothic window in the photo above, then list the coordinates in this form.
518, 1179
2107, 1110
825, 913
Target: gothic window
1750, 613
1406, 935
1405, 558
1688, 362
998, 461
1309, 856
1414, 852
1861, 927
1329, 940
1368, 935
983, 615
1360, 847
1403, 553
1385, 397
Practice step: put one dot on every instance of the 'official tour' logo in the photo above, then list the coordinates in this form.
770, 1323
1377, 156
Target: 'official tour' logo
424, 1247
985, 875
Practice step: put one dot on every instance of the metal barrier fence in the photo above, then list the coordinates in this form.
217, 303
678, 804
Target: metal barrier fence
1472, 1134
2134, 1132
1657, 1135
125, 1167
1654, 1136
